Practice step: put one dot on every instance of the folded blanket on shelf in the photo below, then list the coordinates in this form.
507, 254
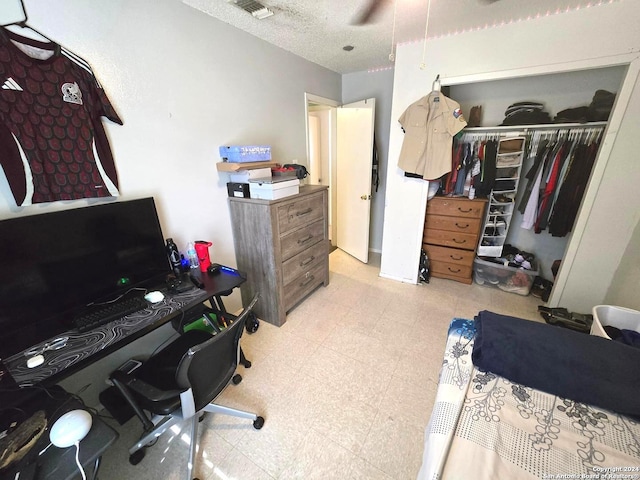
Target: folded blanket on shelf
572, 365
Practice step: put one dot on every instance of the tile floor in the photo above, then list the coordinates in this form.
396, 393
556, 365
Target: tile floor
346, 385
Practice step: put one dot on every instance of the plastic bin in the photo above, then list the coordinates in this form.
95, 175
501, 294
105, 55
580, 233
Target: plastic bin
610, 315
247, 153
506, 278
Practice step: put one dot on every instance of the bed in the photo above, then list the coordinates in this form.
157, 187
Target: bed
517, 400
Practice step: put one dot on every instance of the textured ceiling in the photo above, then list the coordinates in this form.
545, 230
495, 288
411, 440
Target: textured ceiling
318, 29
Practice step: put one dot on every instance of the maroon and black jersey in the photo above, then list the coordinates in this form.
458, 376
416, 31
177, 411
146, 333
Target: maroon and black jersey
53, 145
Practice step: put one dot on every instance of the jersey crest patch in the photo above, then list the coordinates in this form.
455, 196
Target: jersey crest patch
71, 93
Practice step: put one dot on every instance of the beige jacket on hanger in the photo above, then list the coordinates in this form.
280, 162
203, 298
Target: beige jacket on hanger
429, 125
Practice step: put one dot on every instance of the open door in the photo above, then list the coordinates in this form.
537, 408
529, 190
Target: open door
355, 124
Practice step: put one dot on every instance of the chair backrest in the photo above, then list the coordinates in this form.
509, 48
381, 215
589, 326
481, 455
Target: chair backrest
208, 367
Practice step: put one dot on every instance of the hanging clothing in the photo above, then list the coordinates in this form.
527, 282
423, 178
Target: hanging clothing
53, 145
429, 125
487, 179
572, 189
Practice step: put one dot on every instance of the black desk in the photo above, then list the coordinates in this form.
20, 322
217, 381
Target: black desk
82, 349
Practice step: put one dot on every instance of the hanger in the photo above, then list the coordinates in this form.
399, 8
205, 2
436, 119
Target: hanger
23, 23
436, 84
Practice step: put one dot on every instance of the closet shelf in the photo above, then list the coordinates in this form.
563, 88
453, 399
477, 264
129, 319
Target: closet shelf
542, 126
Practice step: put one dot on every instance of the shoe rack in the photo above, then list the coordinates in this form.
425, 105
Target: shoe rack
501, 205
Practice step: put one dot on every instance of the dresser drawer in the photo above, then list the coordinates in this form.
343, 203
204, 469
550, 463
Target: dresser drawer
301, 212
294, 242
450, 255
455, 207
303, 285
450, 239
450, 269
304, 261
453, 224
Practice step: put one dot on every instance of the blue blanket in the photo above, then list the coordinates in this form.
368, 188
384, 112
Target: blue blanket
572, 365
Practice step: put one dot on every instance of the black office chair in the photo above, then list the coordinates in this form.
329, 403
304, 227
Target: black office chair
181, 381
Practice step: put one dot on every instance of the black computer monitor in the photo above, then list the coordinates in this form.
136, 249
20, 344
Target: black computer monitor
56, 264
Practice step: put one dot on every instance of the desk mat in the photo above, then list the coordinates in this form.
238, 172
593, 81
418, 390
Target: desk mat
81, 346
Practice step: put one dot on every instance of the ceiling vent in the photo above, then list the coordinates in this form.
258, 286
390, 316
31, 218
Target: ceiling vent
256, 9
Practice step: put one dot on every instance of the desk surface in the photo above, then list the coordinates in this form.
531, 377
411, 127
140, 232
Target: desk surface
85, 348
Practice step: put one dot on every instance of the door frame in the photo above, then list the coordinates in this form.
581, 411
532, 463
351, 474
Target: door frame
310, 98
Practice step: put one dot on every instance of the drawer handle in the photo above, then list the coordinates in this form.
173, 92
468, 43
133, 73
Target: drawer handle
307, 261
459, 242
304, 212
462, 226
453, 271
307, 281
455, 258
305, 240
465, 211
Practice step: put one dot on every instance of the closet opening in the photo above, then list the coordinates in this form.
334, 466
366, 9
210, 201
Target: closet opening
559, 94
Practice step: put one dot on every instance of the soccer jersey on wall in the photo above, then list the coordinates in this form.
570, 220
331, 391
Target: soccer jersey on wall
53, 145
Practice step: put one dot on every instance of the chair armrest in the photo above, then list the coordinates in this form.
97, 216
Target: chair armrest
143, 388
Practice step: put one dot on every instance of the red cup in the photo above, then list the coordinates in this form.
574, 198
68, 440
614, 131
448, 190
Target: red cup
202, 250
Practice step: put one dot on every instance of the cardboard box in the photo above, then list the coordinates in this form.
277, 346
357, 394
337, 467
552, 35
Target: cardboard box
273, 188
240, 190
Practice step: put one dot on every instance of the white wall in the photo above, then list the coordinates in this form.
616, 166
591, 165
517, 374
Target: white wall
184, 84
557, 43
378, 85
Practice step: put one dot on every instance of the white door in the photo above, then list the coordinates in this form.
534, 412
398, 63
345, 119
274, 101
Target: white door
354, 161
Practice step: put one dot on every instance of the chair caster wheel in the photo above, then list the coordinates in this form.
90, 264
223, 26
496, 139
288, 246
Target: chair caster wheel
246, 364
258, 423
236, 379
136, 457
252, 323
202, 417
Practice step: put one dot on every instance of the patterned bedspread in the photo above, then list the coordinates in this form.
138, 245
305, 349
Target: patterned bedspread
485, 427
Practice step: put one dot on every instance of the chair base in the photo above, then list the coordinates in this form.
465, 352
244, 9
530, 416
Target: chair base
162, 424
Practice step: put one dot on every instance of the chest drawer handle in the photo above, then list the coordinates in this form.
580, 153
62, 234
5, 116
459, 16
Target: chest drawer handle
304, 212
462, 226
307, 281
307, 261
459, 242
465, 211
455, 258
305, 240
457, 270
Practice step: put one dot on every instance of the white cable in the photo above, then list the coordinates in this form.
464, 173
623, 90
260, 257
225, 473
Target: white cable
84, 477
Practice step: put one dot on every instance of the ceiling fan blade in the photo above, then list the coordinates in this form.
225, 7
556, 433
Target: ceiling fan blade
367, 13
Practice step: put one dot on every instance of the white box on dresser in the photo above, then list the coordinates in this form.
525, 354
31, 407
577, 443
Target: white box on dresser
283, 246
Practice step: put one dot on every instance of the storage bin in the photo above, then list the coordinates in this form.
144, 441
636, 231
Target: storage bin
506, 278
273, 188
246, 153
618, 317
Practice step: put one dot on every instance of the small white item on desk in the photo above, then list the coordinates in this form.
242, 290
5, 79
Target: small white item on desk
70, 428
35, 361
154, 297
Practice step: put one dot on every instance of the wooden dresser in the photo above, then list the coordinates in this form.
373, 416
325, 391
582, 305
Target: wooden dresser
283, 246
451, 231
